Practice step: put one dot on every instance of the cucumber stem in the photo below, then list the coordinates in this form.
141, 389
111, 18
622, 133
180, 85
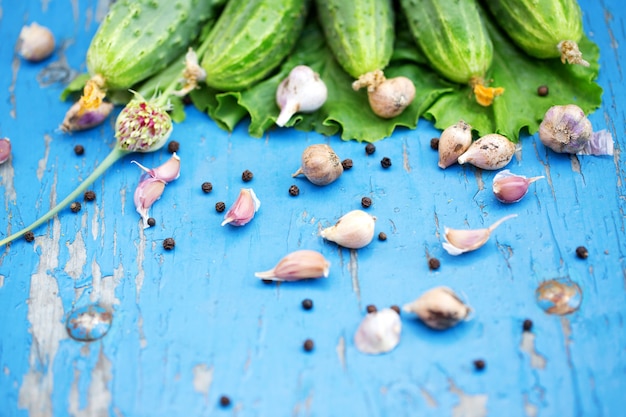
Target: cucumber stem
111, 158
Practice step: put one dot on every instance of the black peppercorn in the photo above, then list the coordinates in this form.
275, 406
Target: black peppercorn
307, 304
220, 206
543, 90
267, 281
434, 144
527, 325
346, 164
582, 252
294, 190
382, 236
371, 308
79, 149
173, 146
207, 187
370, 148
187, 100
29, 236
479, 364
385, 162
433, 263
247, 175
169, 243
89, 195
308, 345
366, 202
224, 401
75, 207
395, 308
151, 221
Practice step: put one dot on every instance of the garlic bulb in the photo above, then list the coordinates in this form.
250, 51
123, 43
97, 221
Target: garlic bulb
388, 97
320, 164
301, 264
379, 332
453, 142
489, 152
35, 42
460, 241
302, 91
439, 308
353, 230
511, 188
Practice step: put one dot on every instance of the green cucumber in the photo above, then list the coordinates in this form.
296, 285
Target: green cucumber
250, 39
138, 38
359, 33
539, 26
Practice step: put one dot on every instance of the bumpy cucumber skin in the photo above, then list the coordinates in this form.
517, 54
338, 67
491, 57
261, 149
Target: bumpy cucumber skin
537, 26
360, 33
250, 39
452, 36
138, 38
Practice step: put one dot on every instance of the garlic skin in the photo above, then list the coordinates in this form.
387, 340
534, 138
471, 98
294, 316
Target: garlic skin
353, 230
460, 241
489, 152
510, 188
378, 332
565, 129
35, 42
388, 97
439, 308
5, 150
320, 164
78, 118
298, 265
243, 209
302, 91
453, 142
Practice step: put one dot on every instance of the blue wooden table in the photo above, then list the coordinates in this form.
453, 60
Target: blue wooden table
193, 324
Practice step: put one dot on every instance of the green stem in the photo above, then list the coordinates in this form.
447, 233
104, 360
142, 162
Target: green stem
111, 158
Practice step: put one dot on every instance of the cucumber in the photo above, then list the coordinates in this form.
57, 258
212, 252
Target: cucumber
250, 39
359, 33
542, 28
138, 38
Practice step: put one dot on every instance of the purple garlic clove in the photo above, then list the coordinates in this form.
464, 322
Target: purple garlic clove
565, 129
298, 265
147, 192
459, 241
79, 118
511, 188
302, 91
243, 209
166, 172
5, 150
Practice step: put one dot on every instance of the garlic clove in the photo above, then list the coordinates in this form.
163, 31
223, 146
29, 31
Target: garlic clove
439, 308
565, 129
320, 165
511, 188
303, 90
489, 152
453, 142
378, 332
298, 265
35, 42
5, 150
147, 192
460, 241
353, 230
243, 209
167, 172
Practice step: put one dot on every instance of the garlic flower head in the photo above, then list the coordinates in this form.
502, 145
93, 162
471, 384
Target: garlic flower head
378, 332
353, 230
142, 126
459, 241
298, 265
302, 91
439, 308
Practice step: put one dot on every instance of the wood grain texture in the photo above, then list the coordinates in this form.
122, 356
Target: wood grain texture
193, 324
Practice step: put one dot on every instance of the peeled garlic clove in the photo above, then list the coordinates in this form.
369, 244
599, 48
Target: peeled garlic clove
302, 91
35, 42
565, 129
511, 188
243, 209
439, 308
460, 241
353, 230
379, 332
301, 264
489, 152
5, 150
453, 142
320, 164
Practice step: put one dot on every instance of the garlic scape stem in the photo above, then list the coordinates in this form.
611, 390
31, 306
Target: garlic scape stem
111, 158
